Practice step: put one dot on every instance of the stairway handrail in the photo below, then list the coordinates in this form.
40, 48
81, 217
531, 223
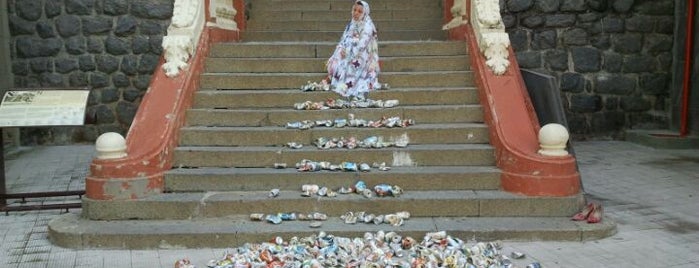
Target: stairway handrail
154, 132
513, 124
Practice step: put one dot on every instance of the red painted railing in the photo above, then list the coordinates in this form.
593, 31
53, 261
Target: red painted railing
154, 132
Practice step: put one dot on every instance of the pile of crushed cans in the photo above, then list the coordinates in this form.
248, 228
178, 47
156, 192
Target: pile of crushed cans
307, 165
360, 187
379, 249
351, 121
345, 104
351, 143
323, 85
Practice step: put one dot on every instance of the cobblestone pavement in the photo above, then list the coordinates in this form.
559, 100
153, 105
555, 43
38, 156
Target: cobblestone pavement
652, 194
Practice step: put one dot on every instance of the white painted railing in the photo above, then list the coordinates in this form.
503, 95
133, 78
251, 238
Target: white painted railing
489, 29
492, 39
187, 24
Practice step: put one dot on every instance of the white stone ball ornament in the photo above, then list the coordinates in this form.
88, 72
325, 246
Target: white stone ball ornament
110, 145
553, 139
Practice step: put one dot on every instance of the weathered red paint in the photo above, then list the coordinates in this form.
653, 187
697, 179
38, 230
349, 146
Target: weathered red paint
514, 127
154, 131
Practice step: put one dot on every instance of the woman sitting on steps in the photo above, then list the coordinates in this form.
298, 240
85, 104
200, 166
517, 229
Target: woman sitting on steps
353, 68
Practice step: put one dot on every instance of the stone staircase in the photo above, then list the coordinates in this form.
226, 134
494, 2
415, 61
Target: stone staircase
235, 132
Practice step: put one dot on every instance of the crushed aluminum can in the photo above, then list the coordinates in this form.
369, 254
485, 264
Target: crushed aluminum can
367, 193
184, 263
360, 186
340, 122
273, 193
349, 166
534, 265
275, 219
344, 190
288, 216
280, 165
293, 125
331, 193
294, 145
364, 167
383, 190
257, 216
319, 216
403, 215
516, 255
315, 224
310, 188
378, 219
323, 191
390, 103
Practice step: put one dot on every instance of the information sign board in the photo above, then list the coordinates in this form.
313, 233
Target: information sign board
24, 108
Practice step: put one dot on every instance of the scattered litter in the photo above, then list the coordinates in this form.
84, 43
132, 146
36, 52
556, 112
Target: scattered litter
351, 121
379, 249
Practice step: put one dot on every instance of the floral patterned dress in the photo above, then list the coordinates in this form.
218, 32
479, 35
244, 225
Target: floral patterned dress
353, 68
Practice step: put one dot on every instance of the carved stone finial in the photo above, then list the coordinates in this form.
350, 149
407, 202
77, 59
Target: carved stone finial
553, 139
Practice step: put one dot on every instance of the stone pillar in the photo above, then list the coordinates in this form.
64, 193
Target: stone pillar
11, 135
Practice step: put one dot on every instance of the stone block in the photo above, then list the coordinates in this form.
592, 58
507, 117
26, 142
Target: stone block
99, 80
31, 47
548, 6
41, 65
582, 103
153, 9
557, 59
655, 83
45, 30
519, 39
53, 8
572, 82
151, 27
126, 111
509, 20
131, 94
546, 39
129, 64
156, 44
613, 25
104, 114
639, 64
612, 62
615, 84
20, 67
640, 23
585, 59
109, 95
28, 9
665, 25
611, 103
656, 7
51, 80
601, 41
126, 25
634, 104
142, 81
77, 79
95, 44
573, 5
140, 44
96, 25
622, 6
533, 21
529, 59
120, 80
575, 36
76, 45
79, 7
148, 63
117, 46
65, 65
598, 5
87, 63
107, 63
20, 26
115, 7
560, 20
628, 43
519, 5
657, 43
68, 25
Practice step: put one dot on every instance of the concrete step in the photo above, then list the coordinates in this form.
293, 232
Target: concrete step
413, 155
264, 179
328, 36
479, 203
283, 98
332, 15
72, 231
296, 80
278, 136
427, 114
325, 49
341, 23
316, 65
343, 5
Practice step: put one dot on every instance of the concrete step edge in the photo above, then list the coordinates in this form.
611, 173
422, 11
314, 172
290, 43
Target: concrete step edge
72, 231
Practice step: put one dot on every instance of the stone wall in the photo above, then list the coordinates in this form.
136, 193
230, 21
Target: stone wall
612, 58
111, 46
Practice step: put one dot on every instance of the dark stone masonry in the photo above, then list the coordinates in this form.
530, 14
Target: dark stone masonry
612, 58
112, 46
